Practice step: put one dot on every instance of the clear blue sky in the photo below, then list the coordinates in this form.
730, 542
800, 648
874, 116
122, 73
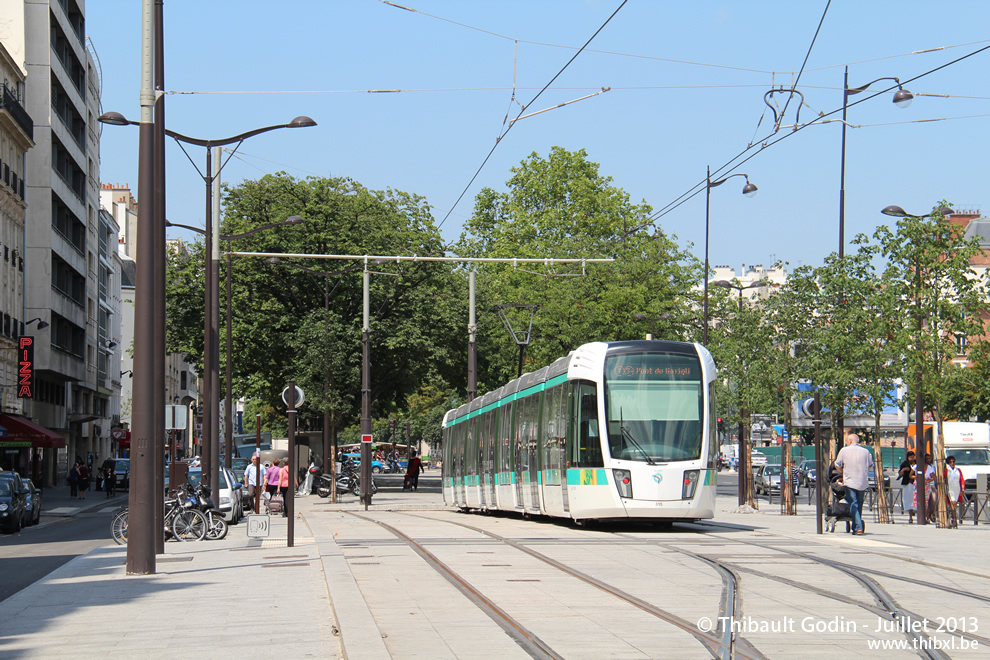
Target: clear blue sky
687, 91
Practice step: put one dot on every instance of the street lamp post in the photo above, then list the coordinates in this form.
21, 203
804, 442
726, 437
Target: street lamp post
211, 321
919, 400
749, 190
902, 99
228, 428
745, 470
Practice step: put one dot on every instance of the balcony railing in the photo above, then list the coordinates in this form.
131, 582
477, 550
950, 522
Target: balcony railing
17, 111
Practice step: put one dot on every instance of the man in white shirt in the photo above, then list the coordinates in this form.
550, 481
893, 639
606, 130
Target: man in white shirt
254, 476
855, 462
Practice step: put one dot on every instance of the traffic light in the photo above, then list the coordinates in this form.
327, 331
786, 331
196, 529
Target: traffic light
391, 428
409, 430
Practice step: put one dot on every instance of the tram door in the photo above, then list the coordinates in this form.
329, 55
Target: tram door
491, 423
533, 451
519, 432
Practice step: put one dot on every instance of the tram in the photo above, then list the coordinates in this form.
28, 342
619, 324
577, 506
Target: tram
612, 431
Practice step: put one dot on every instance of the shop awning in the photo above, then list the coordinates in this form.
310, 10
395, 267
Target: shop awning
22, 432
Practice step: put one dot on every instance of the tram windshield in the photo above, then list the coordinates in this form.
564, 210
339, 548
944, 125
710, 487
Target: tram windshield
654, 405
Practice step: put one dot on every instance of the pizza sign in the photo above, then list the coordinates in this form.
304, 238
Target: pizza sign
25, 371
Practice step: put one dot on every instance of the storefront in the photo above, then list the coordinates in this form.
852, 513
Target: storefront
28, 448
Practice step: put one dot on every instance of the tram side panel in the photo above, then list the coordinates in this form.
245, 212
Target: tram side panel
589, 491
505, 475
552, 443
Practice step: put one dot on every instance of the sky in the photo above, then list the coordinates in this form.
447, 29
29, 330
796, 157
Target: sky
687, 81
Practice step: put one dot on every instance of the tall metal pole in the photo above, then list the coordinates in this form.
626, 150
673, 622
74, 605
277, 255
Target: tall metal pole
141, 496
708, 198
209, 403
366, 388
257, 468
819, 464
842, 166
228, 429
472, 384
289, 497
214, 312
159, 225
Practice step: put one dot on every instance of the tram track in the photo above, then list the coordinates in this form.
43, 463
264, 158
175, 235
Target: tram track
889, 607
722, 647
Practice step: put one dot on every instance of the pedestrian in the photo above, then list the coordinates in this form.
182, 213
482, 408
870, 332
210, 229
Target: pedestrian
906, 474
955, 485
272, 478
855, 462
412, 473
931, 502
109, 478
83, 480
74, 480
254, 475
283, 483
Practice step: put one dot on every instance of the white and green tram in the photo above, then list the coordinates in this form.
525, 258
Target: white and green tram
612, 431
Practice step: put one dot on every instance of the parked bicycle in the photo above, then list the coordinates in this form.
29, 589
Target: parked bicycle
182, 521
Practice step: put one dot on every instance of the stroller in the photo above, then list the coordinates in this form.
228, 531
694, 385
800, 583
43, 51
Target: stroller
274, 504
838, 510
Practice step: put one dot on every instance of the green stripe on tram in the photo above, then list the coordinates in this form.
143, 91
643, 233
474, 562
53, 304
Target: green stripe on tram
529, 391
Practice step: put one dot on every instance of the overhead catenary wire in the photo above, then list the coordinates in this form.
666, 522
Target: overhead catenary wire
811, 47
732, 165
498, 140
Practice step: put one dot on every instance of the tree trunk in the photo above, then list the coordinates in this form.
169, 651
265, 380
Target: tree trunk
883, 512
943, 518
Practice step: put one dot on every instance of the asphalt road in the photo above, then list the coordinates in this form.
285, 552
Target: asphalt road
36, 551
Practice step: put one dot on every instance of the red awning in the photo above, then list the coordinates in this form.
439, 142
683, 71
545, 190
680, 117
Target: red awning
21, 430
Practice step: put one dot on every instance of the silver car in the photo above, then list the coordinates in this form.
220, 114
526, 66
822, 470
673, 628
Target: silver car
767, 479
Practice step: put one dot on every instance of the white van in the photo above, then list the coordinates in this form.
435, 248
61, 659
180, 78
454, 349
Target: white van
969, 442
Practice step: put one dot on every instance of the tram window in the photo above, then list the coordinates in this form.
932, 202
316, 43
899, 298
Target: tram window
713, 441
589, 444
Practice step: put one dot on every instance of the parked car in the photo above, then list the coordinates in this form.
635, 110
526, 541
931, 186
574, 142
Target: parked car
122, 471
767, 479
237, 466
13, 496
32, 507
757, 458
376, 466
808, 467
226, 493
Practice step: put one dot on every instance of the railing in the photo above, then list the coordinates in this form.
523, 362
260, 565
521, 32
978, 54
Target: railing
17, 111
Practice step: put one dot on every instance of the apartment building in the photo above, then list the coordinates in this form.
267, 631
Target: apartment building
181, 379
71, 275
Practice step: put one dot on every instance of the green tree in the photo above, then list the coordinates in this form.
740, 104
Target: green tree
562, 207
292, 324
929, 270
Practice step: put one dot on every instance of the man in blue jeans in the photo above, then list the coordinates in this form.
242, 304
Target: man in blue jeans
855, 463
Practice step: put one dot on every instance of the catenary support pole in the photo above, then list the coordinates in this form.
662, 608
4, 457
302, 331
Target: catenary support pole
472, 385
366, 388
159, 228
141, 496
289, 497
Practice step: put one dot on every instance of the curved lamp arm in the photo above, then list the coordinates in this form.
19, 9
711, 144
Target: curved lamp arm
902, 97
749, 189
117, 119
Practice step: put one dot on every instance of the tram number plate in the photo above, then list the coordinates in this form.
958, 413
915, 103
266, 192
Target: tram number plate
258, 525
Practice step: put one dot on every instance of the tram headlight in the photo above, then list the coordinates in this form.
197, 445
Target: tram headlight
690, 484
623, 482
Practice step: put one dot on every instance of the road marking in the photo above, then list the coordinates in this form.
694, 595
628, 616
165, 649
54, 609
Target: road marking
62, 510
